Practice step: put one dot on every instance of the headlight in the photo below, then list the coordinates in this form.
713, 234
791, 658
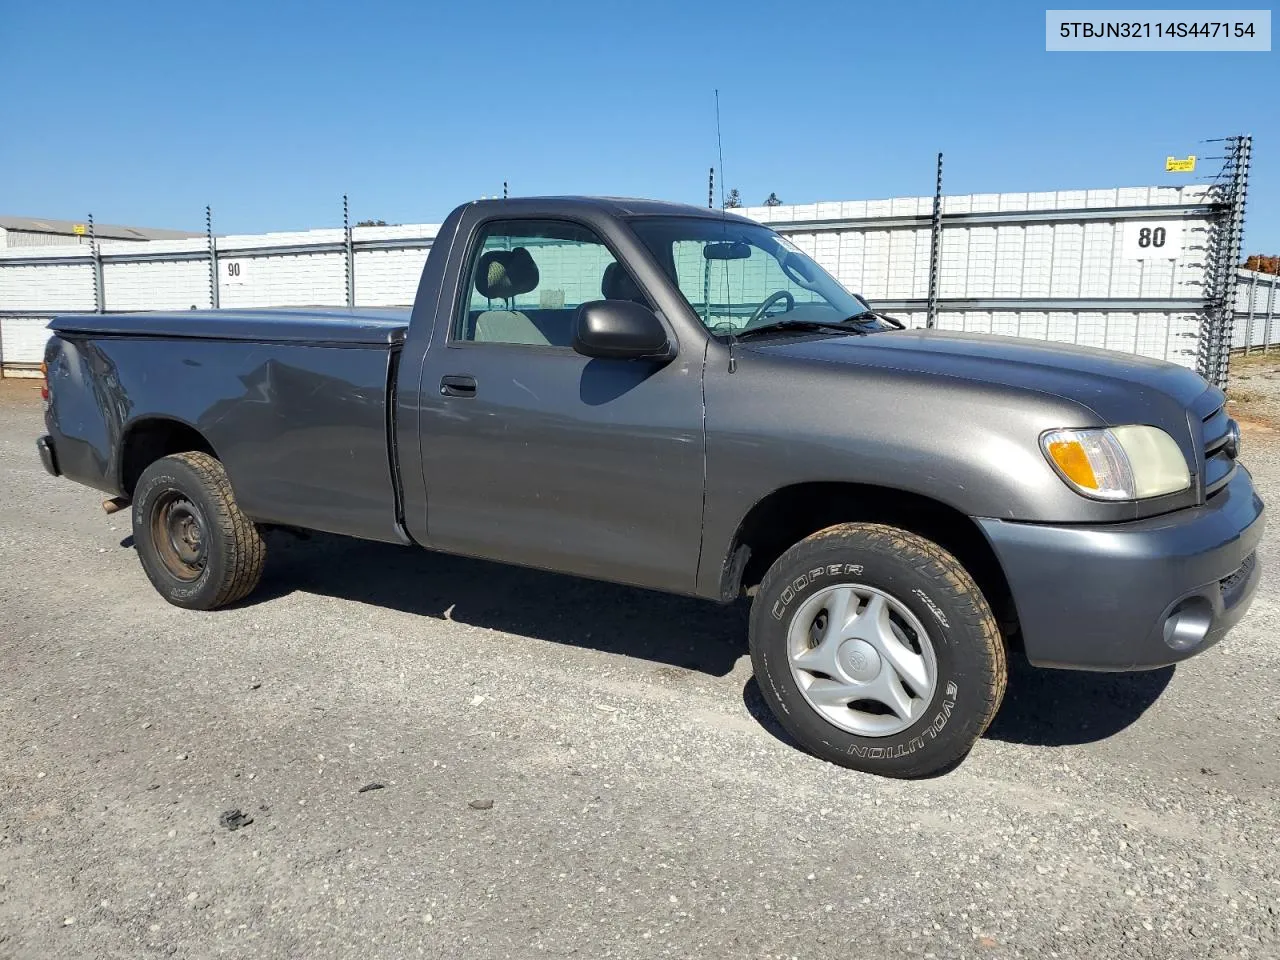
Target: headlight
1118, 463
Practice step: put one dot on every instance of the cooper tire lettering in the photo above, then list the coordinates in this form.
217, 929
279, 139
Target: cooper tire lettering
791, 590
933, 607
916, 742
959, 625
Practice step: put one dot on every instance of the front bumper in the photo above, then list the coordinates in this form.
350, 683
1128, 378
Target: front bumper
1133, 596
47, 455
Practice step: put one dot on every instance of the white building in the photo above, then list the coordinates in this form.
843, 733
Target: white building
33, 232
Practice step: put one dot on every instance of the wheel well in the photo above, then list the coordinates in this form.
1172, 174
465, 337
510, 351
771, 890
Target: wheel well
787, 516
149, 440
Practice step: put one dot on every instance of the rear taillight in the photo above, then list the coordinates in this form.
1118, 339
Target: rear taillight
44, 381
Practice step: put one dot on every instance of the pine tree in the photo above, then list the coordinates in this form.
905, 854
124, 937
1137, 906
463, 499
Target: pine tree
734, 199
773, 201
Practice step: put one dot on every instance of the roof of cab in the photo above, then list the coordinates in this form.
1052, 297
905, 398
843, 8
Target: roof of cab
617, 206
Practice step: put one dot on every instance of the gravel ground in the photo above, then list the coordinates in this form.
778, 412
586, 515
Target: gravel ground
1255, 392
571, 769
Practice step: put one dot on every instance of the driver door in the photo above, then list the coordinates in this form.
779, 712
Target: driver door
534, 454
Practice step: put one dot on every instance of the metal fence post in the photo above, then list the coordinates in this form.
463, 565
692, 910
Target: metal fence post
935, 250
351, 258
706, 264
215, 298
1248, 324
1218, 327
1271, 308
99, 306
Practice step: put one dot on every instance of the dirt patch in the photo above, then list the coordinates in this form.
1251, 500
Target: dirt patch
1253, 394
18, 391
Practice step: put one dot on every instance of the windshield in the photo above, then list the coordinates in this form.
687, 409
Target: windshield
738, 275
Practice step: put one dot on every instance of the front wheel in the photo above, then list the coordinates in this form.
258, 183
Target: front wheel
198, 550
876, 650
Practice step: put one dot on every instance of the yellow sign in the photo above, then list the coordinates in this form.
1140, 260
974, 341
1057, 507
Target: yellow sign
1174, 165
78, 229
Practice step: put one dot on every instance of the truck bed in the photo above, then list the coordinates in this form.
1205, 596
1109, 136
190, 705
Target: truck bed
317, 326
294, 402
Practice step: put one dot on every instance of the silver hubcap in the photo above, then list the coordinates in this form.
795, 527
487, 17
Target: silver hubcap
862, 659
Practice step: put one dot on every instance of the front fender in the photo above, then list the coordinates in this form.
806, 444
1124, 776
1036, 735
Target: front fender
973, 447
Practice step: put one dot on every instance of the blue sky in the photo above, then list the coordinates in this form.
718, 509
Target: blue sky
269, 111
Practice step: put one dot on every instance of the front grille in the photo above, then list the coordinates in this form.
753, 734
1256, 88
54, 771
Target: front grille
1219, 465
1231, 583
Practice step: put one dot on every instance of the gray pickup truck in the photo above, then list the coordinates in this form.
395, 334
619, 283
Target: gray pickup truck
678, 399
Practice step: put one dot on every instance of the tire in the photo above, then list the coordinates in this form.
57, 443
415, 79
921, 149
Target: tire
198, 550
948, 646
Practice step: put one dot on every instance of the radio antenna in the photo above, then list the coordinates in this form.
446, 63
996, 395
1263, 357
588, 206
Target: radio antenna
719, 149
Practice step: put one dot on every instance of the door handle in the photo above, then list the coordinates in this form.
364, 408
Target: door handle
456, 386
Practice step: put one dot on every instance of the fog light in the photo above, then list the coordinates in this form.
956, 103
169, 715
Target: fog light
1187, 623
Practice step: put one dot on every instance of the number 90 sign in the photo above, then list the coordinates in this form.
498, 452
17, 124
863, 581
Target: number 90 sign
1152, 240
233, 272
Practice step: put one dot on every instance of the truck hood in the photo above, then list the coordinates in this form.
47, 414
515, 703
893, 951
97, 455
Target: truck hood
1117, 388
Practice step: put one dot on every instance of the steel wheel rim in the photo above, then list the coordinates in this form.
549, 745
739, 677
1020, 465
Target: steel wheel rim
178, 533
862, 660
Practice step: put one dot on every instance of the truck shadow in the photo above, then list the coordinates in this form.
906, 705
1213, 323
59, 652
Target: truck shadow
676, 631
1045, 708
1041, 707
1056, 708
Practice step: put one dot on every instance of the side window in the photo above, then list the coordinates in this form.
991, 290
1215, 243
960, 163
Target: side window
528, 277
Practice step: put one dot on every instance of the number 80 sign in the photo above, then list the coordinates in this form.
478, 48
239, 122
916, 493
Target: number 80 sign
1152, 240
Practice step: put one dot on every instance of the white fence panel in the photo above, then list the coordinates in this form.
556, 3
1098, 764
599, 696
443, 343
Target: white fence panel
22, 341
156, 285
1158, 334
388, 277
282, 280
1060, 265
54, 286
1257, 321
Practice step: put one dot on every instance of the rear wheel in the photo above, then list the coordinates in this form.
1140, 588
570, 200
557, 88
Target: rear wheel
197, 548
877, 651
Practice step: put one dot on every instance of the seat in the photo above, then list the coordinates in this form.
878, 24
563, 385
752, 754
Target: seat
502, 275
616, 284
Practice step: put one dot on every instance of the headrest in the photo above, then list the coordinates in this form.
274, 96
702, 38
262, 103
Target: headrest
616, 284
506, 273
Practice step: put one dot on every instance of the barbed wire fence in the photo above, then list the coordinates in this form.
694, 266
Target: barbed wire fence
1237, 310
1229, 190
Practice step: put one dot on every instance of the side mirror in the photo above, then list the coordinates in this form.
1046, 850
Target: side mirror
620, 330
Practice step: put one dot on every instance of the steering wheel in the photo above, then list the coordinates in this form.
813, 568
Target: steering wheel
769, 301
